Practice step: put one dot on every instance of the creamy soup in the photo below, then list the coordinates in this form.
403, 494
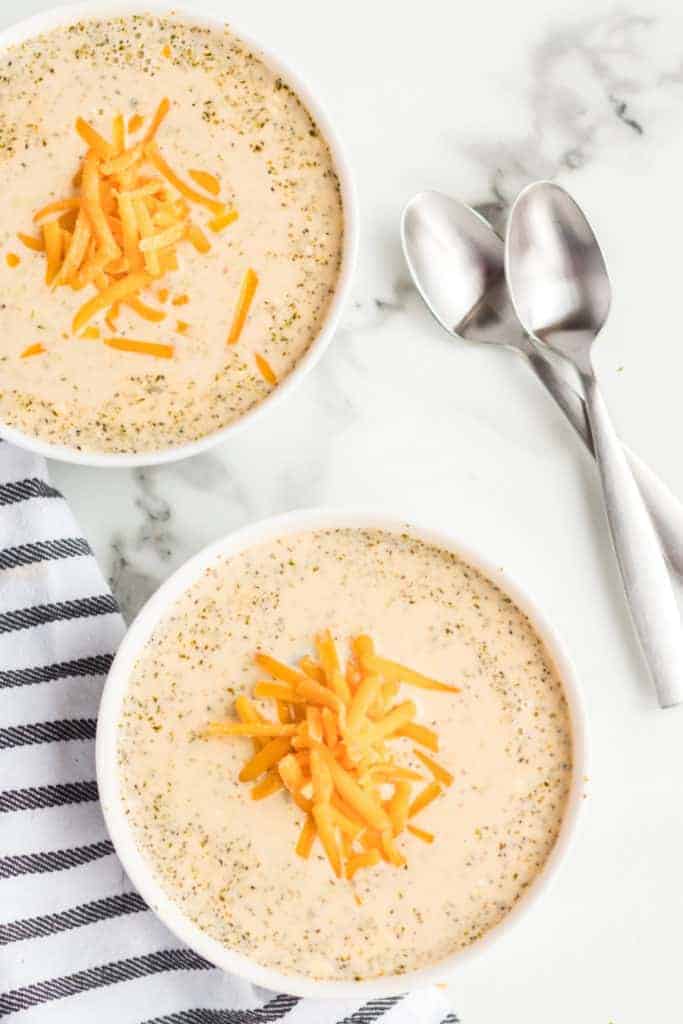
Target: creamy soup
231, 116
230, 864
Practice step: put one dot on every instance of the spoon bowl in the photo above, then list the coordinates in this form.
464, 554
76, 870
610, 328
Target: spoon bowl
457, 263
557, 273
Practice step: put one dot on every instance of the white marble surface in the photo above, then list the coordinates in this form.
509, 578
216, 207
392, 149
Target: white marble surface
477, 99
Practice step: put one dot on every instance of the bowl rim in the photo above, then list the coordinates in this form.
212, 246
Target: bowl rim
141, 873
57, 17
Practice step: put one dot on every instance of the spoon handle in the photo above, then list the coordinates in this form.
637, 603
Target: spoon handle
664, 507
643, 569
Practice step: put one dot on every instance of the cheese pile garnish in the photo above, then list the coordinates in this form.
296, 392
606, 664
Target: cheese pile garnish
121, 231
330, 750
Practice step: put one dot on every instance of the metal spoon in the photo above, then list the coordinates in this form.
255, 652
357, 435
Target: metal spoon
457, 263
561, 292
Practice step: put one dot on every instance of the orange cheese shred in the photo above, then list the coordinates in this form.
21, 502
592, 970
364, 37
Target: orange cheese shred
368, 859
424, 798
267, 786
32, 243
146, 227
130, 231
92, 138
223, 220
326, 832
143, 348
394, 671
110, 296
265, 758
277, 692
399, 806
278, 669
209, 182
153, 316
394, 720
291, 773
112, 316
421, 734
77, 248
54, 240
426, 837
162, 239
33, 350
390, 850
265, 369
306, 838
56, 207
312, 669
92, 203
248, 728
124, 161
168, 260
179, 185
246, 712
119, 133
198, 239
440, 774
247, 291
159, 116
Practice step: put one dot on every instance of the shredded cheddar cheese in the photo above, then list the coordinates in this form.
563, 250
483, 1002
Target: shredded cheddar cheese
148, 348
223, 220
135, 123
31, 242
121, 231
265, 369
209, 182
329, 751
249, 286
33, 350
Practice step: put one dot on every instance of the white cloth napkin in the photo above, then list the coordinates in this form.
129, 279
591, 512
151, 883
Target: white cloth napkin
77, 943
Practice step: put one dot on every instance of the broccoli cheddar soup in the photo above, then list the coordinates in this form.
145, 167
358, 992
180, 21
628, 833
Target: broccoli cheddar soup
345, 753
171, 232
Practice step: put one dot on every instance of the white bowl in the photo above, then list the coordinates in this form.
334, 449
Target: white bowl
59, 16
140, 870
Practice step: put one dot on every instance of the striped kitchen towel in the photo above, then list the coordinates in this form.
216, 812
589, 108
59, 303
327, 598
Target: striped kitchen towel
77, 943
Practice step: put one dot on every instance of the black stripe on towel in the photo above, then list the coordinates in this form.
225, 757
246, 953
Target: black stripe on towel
97, 977
42, 551
53, 860
23, 618
21, 490
74, 917
451, 1019
47, 796
372, 1011
97, 665
275, 1010
48, 732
